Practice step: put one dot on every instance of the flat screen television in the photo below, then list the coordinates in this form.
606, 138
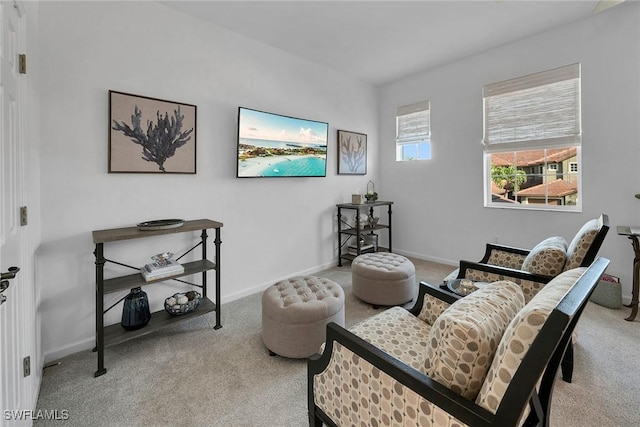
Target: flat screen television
275, 146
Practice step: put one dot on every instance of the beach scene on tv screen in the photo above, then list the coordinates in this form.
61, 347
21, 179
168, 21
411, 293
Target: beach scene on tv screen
271, 145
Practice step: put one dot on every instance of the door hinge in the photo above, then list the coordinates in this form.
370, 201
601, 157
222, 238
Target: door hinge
26, 366
22, 63
23, 215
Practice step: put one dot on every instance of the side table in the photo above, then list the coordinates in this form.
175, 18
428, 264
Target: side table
347, 231
632, 234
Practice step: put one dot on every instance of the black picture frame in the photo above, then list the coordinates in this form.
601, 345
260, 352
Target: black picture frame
151, 135
352, 153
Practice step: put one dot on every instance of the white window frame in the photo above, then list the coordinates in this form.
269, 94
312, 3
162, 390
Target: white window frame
413, 128
572, 166
535, 112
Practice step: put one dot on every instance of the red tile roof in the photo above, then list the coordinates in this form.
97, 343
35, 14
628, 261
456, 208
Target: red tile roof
557, 188
533, 157
497, 190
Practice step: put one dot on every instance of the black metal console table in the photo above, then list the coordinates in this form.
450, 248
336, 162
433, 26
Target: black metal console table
346, 231
115, 334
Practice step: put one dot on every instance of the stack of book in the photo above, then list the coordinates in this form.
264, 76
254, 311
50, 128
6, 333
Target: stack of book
364, 248
160, 270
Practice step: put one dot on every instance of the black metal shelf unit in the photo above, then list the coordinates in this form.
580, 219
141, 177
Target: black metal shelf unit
347, 231
115, 334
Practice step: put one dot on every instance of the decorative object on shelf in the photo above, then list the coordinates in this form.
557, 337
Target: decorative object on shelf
352, 153
362, 224
372, 221
357, 199
182, 303
135, 313
149, 135
371, 195
364, 248
162, 266
160, 224
371, 239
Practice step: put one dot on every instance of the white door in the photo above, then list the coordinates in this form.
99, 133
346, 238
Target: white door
16, 330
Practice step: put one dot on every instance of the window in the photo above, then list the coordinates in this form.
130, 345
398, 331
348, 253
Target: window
532, 141
413, 132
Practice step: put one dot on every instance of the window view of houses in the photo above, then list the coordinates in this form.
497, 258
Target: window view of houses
540, 177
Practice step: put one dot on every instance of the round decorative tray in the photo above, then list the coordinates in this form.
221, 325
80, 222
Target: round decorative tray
182, 303
464, 286
160, 224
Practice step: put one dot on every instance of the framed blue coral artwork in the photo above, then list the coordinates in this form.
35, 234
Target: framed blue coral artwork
352, 153
150, 135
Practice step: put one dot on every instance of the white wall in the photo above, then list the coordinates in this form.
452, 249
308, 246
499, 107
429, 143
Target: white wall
272, 228
439, 211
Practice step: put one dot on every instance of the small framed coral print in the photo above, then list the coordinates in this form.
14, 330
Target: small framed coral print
150, 135
352, 153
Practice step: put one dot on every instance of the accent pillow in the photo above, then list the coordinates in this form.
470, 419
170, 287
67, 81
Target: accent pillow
464, 338
581, 244
547, 258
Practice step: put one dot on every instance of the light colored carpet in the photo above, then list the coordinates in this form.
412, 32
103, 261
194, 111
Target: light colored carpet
192, 375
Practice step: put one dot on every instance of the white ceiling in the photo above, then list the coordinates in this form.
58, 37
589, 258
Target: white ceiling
382, 41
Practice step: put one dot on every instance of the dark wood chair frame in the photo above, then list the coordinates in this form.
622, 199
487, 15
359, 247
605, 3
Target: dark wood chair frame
490, 247
541, 361
567, 363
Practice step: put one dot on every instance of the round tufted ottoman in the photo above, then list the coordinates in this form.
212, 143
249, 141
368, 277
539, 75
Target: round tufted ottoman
295, 313
383, 278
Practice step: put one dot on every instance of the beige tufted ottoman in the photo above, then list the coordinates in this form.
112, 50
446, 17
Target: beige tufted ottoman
383, 278
295, 313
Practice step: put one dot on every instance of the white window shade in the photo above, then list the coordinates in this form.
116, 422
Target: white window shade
413, 123
542, 108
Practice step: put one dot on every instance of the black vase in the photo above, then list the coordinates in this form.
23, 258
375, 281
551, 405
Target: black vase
135, 313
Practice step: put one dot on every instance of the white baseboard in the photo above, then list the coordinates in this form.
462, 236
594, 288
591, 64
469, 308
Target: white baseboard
453, 263
59, 353
89, 343
264, 285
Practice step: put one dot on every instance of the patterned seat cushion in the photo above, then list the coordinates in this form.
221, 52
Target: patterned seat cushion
464, 338
518, 338
547, 258
398, 333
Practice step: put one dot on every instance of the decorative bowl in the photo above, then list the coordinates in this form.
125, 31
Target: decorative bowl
182, 303
461, 286
160, 224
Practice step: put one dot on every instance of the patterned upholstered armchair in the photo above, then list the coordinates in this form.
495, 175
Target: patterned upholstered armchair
533, 268
483, 360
